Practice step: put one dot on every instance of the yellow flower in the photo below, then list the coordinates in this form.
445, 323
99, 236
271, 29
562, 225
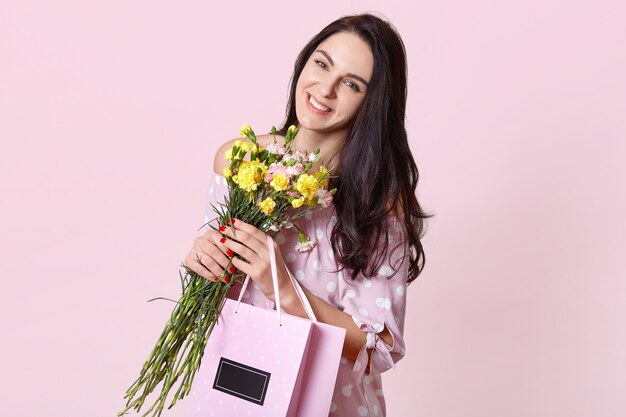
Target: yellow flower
279, 182
250, 175
297, 202
307, 185
247, 146
238, 143
322, 173
267, 206
227, 172
292, 131
229, 154
244, 130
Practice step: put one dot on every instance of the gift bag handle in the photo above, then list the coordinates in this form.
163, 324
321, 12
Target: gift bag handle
299, 292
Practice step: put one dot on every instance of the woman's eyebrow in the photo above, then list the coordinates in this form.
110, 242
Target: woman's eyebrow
323, 52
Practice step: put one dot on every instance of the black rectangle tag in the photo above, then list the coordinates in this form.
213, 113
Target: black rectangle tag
242, 381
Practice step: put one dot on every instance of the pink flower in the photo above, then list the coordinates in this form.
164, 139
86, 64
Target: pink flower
324, 197
294, 170
275, 148
304, 243
275, 168
306, 246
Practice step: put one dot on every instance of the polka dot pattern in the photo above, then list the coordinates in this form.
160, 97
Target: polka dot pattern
383, 303
317, 265
400, 290
384, 271
299, 275
292, 335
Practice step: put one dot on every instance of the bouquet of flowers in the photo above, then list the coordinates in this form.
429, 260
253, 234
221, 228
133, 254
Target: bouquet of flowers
268, 188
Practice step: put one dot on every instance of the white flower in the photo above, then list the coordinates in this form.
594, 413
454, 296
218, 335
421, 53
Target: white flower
306, 246
275, 227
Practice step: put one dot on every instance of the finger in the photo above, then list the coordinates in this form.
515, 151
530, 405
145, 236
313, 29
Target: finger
244, 267
195, 263
241, 249
209, 257
243, 243
253, 231
220, 253
207, 262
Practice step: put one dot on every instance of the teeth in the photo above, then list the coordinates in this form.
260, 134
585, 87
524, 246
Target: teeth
317, 105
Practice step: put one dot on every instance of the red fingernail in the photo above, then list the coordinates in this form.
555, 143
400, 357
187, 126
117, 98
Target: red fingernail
232, 269
222, 228
227, 221
232, 220
230, 253
227, 280
223, 240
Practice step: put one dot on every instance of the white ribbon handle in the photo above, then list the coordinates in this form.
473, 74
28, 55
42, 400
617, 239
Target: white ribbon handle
299, 292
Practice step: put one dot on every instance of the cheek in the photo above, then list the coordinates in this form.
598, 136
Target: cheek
352, 104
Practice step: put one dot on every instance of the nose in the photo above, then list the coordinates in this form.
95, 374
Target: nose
327, 88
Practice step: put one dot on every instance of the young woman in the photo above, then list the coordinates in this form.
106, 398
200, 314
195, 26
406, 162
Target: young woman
348, 98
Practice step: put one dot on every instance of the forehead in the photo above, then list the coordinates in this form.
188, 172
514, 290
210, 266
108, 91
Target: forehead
349, 53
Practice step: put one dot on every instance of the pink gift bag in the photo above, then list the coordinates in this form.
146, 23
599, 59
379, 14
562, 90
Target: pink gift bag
267, 363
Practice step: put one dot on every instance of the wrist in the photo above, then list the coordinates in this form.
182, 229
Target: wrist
289, 301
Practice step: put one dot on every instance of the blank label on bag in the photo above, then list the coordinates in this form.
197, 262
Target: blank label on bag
242, 381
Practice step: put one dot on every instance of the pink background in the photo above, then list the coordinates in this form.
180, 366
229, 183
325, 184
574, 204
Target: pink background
109, 116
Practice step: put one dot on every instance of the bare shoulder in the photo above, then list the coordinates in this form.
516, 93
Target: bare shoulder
265, 140
220, 162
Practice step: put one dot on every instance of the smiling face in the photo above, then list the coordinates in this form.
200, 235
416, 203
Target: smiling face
333, 83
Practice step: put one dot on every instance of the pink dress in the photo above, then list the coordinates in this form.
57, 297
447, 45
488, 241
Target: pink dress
372, 302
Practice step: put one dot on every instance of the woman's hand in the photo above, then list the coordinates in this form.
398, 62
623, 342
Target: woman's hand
209, 258
250, 243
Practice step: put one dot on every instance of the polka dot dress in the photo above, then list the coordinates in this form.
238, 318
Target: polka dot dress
373, 302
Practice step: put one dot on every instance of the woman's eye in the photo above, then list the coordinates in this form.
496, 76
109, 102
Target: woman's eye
320, 64
352, 85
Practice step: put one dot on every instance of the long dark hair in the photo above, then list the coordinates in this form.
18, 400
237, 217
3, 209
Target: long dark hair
376, 172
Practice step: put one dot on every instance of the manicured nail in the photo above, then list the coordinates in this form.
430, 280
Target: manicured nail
227, 221
232, 221
227, 280
232, 269
222, 228
223, 240
230, 253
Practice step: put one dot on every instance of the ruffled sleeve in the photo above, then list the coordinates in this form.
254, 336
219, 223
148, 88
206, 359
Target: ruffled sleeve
216, 193
377, 302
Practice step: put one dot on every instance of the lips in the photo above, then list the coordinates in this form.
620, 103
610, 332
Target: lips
317, 106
